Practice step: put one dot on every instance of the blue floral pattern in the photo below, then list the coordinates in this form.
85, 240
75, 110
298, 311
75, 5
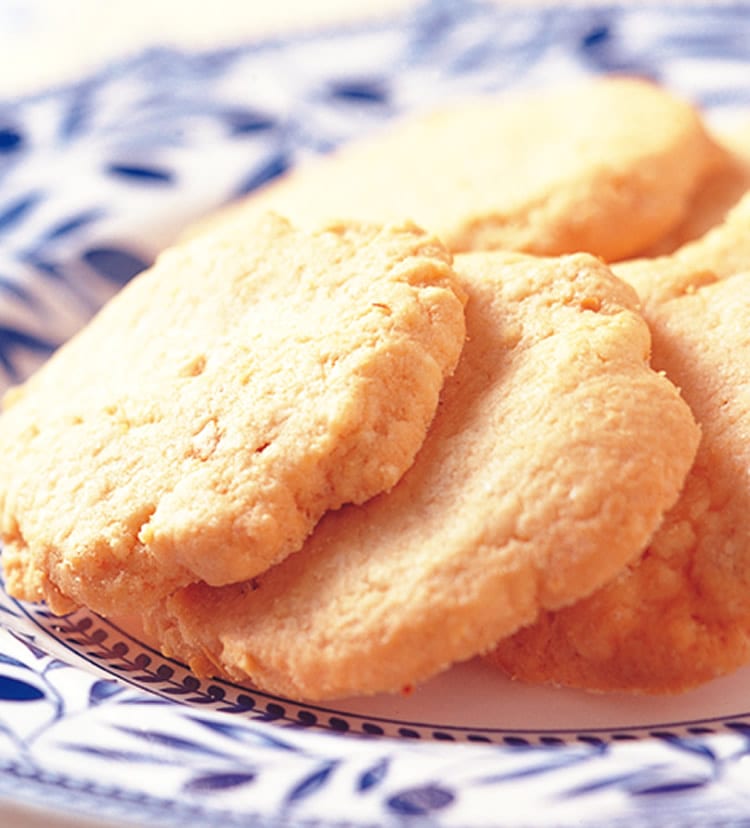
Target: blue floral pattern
96, 178
172, 762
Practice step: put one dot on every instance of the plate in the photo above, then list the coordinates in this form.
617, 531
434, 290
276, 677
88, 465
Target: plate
95, 725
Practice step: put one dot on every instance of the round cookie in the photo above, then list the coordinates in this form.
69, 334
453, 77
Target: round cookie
552, 431
722, 251
224, 400
607, 166
720, 191
680, 615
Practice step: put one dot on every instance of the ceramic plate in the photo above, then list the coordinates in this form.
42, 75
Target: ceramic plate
95, 725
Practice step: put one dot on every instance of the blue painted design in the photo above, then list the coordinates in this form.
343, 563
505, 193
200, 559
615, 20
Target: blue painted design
76, 115
17, 290
114, 263
248, 121
421, 801
113, 755
13, 662
172, 741
237, 731
313, 783
12, 340
213, 782
674, 786
16, 690
72, 224
374, 91
103, 690
13, 213
545, 762
605, 782
80, 235
25, 639
11, 140
273, 168
141, 174
595, 37
373, 776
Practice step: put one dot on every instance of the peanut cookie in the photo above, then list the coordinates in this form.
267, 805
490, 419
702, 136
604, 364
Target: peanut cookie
207, 417
606, 166
552, 431
679, 616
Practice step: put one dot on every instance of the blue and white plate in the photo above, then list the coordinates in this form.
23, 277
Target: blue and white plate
95, 725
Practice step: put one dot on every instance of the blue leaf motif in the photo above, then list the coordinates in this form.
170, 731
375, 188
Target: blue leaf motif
173, 742
13, 662
142, 701
596, 36
9, 286
113, 755
141, 174
674, 786
76, 117
360, 91
46, 268
11, 339
421, 801
622, 781
114, 263
11, 140
29, 643
273, 168
552, 763
243, 733
15, 690
218, 782
688, 745
72, 224
17, 210
373, 776
102, 690
312, 783
245, 121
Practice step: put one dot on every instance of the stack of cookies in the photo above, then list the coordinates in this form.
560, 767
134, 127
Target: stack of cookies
477, 386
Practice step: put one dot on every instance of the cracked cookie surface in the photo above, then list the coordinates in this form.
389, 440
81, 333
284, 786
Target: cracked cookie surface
552, 430
225, 399
680, 615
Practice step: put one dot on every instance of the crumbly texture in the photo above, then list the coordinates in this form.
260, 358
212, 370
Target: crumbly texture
607, 166
680, 616
552, 431
226, 398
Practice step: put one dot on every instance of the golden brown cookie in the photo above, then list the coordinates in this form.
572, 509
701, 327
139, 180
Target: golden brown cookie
680, 616
208, 416
607, 166
716, 195
552, 431
722, 251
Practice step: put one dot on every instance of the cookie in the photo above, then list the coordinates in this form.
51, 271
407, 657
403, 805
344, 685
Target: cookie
552, 431
203, 422
680, 615
722, 251
606, 166
720, 191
